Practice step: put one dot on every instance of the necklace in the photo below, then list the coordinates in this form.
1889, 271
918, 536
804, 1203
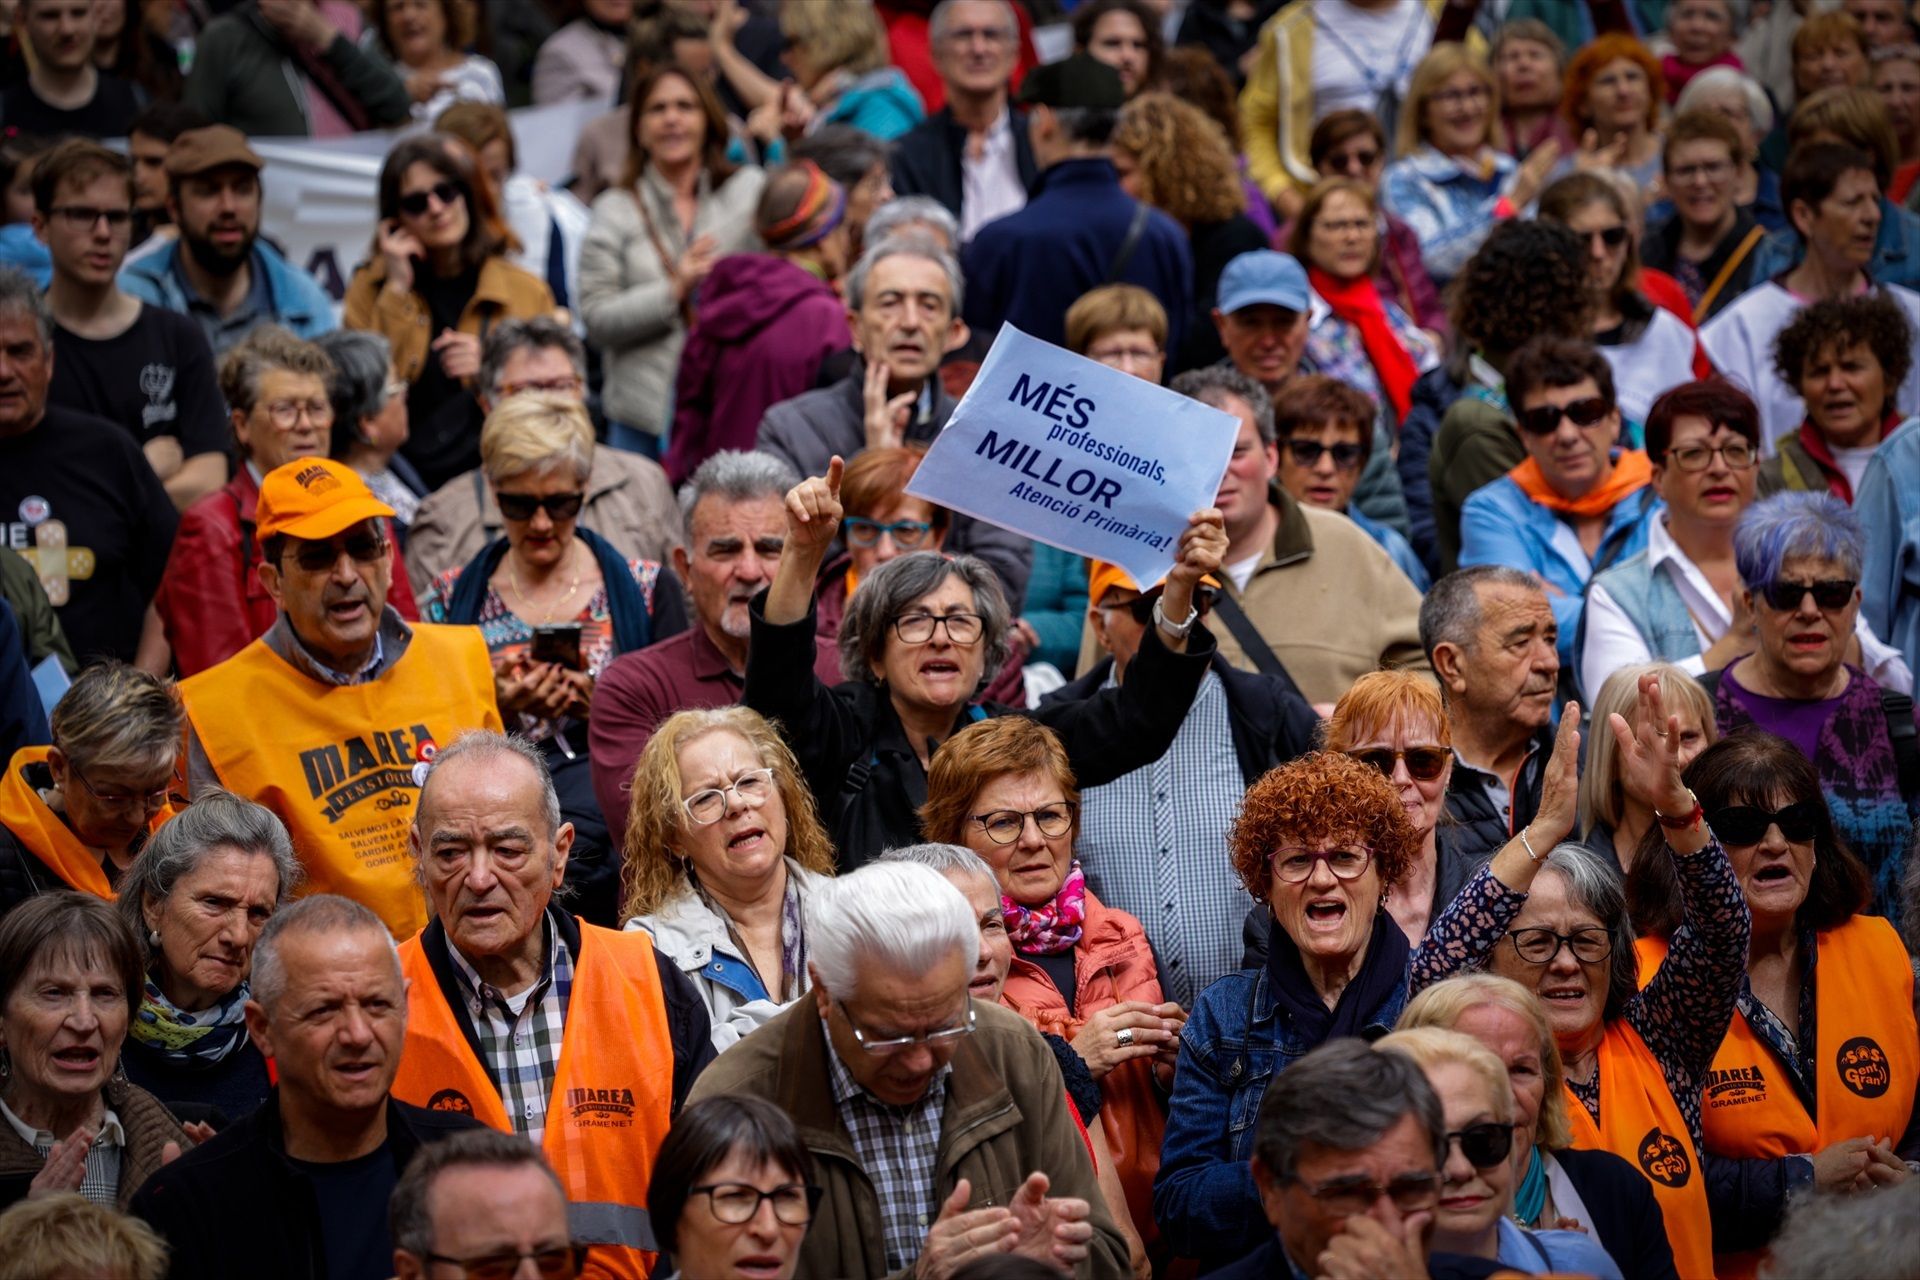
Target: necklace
526, 600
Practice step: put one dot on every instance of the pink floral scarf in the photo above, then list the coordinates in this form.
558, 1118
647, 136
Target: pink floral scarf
1051, 927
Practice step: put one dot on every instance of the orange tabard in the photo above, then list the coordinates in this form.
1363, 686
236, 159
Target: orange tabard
46, 837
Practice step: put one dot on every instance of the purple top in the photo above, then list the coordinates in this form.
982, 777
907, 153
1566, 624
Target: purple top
1795, 719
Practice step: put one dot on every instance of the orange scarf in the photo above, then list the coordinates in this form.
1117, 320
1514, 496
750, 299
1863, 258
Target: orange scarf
1632, 472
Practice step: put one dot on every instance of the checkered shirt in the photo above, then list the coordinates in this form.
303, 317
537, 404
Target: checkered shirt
899, 1148
520, 1035
100, 1181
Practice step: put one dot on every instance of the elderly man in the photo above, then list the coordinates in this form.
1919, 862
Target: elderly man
300, 1187
481, 1199
1490, 633
331, 718
903, 304
582, 1039
629, 502
972, 155
904, 1088
213, 600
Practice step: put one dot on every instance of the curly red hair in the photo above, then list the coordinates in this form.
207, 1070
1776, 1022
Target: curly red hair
1587, 65
1316, 799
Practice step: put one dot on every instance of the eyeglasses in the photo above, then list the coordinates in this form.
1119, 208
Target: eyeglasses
1828, 593
558, 506
150, 801
1306, 453
906, 534
1140, 608
1348, 1197
1745, 824
1003, 826
753, 788
1544, 420
567, 386
1737, 454
942, 1039
1693, 172
736, 1202
1459, 97
85, 217
320, 555
286, 414
1295, 866
562, 1262
418, 202
1541, 946
1611, 237
1125, 357
1485, 1145
1424, 764
918, 628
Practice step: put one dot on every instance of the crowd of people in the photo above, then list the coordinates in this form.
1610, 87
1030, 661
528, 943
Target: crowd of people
502, 778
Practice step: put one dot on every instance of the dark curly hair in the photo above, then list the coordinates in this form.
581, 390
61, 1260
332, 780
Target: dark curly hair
1322, 796
1836, 325
1527, 278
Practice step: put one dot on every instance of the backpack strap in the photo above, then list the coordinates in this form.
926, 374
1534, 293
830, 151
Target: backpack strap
1898, 708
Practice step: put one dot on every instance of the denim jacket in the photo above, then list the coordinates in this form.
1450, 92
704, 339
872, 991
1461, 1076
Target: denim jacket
1233, 1044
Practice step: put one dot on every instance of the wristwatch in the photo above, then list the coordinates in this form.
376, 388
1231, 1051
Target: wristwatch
1178, 630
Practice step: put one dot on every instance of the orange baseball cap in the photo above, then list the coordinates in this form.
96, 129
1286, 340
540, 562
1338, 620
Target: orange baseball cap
314, 498
1103, 576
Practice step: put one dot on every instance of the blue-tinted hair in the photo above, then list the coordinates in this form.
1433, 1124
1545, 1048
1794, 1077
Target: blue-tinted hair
1789, 524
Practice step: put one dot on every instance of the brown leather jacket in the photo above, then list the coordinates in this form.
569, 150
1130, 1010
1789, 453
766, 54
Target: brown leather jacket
149, 1127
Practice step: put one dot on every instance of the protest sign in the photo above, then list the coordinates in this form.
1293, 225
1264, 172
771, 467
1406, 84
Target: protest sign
1078, 455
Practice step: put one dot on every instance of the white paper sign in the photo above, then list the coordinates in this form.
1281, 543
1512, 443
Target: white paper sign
1075, 454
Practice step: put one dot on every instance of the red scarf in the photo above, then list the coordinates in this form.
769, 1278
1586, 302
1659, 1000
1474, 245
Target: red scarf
1358, 303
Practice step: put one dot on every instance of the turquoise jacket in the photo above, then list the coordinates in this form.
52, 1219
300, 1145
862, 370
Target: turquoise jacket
881, 102
299, 304
1888, 504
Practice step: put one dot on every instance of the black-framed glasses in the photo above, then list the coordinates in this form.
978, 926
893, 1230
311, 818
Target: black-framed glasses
317, 555
1424, 764
558, 506
1737, 454
1745, 824
1544, 420
1485, 1145
1828, 593
286, 414
1307, 453
908, 535
1590, 945
918, 628
85, 217
149, 801
1295, 866
561, 1262
1003, 826
736, 1202
754, 788
416, 203
1345, 1197
946, 1037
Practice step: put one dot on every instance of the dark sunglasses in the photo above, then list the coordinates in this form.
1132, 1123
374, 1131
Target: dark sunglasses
1485, 1145
1745, 824
558, 506
417, 203
1306, 453
1545, 419
1424, 764
1612, 237
320, 556
1828, 593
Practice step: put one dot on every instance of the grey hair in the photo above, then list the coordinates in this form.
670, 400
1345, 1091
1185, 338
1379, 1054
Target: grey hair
362, 364
410, 1216
116, 715
1595, 883
886, 917
891, 589
1713, 79
1451, 613
1212, 384
492, 744
1344, 1096
1844, 1237
733, 475
322, 913
537, 333
215, 821
905, 244
944, 858
19, 293
903, 213
942, 18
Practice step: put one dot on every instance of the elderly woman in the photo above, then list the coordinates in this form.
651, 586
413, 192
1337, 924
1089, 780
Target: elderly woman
1351, 143
428, 42
1707, 241
1322, 841
1080, 970
1553, 917
1739, 99
1473, 1218
75, 815
1847, 359
1528, 59
1613, 824
1449, 183
1612, 101
723, 844
1823, 1041
731, 1193
1701, 33
917, 641
1555, 1185
653, 239
882, 523
838, 56
1799, 556
69, 968
370, 421
556, 603
197, 900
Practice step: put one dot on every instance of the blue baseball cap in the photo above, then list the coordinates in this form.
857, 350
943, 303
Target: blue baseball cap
1264, 275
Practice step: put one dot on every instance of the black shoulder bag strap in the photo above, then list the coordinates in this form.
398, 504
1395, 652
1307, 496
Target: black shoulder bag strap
1135, 229
1252, 643
1905, 736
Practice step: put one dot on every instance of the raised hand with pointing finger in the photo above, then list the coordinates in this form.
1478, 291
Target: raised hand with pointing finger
813, 521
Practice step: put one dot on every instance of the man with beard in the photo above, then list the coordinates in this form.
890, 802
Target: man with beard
217, 269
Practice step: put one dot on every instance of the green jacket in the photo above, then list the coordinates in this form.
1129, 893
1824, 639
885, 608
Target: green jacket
1475, 446
39, 625
244, 75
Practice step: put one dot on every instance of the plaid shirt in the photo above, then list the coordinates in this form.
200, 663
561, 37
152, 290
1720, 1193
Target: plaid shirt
100, 1181
520, 1035
899, 1150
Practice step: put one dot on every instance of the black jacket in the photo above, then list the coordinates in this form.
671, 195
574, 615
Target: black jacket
1626, 1218
22, 874
1479, 831
237, 1207
926, 159
1661, 251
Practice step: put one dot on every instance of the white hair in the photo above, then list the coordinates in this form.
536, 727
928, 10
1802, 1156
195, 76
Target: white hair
1716, 79
900, 917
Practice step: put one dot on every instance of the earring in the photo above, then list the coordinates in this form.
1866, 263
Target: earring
153, 937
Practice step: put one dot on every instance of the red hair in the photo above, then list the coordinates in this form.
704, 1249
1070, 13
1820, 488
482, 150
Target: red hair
1586, 66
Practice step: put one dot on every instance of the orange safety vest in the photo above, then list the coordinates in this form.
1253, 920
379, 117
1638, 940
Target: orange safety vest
46, 837
612, 1099
342, 765
1867, 1062
1640, 1122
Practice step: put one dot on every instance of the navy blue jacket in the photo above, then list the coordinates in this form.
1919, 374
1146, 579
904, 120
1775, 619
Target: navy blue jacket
23, 721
